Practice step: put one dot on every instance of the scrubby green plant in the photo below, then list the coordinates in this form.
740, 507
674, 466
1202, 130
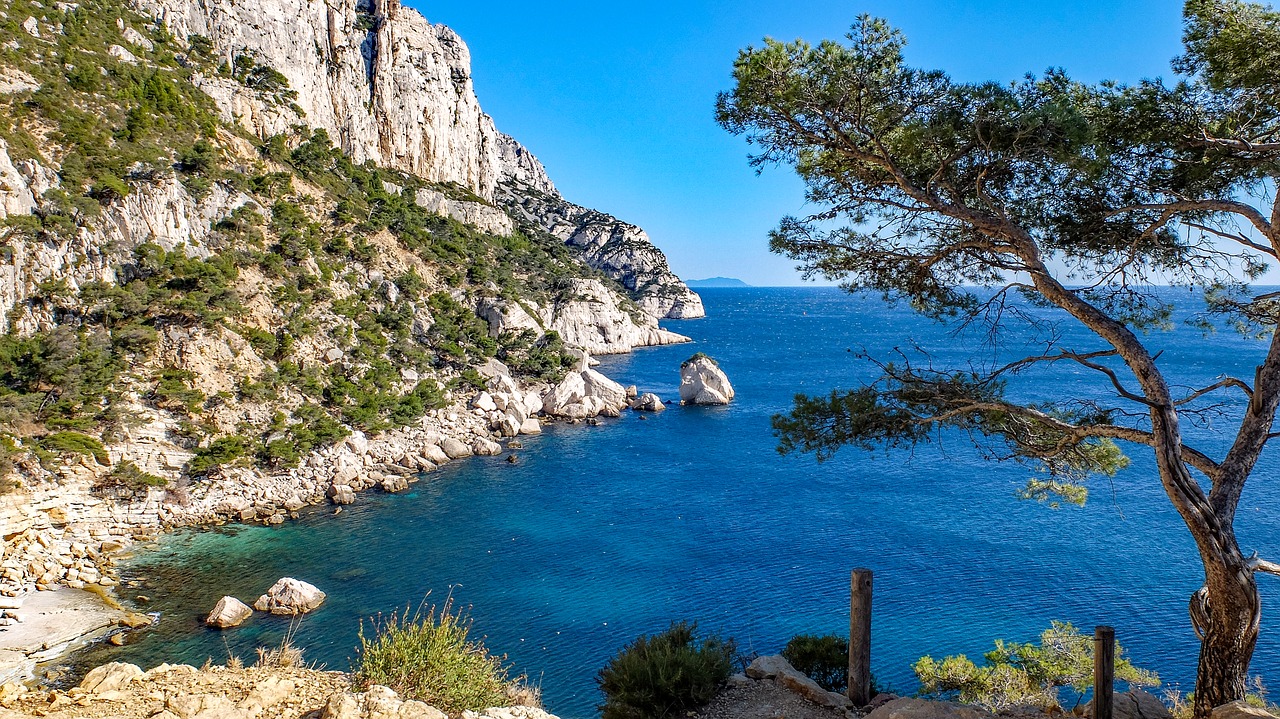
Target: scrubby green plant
428, 656
223, 450
131, 476
825, 659
665, 675
76, 443
699, 356
1019, 674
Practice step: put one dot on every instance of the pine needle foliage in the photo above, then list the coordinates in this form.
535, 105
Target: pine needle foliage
1024, 674
665, 675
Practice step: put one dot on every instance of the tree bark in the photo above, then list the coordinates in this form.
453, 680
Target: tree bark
1229, 637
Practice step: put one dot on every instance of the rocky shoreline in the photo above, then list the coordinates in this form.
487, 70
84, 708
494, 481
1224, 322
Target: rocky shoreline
67, 537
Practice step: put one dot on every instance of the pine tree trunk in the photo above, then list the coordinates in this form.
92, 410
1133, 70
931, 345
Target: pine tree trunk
1229, 637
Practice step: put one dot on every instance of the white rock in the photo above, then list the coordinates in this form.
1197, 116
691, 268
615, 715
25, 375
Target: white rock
110, 677
121, 54
32, 26
341, 494
486, 448
531, 426
647, 402
703, 382
135, 38
228, 612
290, 596
455, 449
484, 401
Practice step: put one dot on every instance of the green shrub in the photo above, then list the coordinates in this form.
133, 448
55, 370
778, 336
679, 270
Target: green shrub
76, 443
127, 474
220, 451
1017, 674
666, 675
825, 659
428, 657
697, 356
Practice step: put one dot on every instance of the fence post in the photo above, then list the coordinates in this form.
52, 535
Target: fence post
1104, 671
860, 637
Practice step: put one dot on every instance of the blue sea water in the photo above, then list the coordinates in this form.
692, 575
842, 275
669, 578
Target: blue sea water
600, 534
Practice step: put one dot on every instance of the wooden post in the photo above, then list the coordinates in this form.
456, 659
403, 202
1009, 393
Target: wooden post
860, 637
1104, 671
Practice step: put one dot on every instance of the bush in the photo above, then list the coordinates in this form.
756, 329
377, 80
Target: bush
220, 451
428, 657
697, 356
76, 443
131, 476
666, 675
1018, 674
825, 659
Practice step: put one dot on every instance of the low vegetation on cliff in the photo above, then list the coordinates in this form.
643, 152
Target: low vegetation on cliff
322, 299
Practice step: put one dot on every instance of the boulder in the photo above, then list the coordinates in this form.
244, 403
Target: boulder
228, 612
486, 448
909, 708
290, 596
455, 449
531, 426
1138, 704
1237, 709
110, 677
780, 670
568, 393
597, 385
341, 494
394, 484
434, 453
647, 402
703, 382
378, 702
484, 402
515, 712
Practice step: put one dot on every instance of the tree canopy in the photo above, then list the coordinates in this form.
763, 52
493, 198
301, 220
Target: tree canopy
958, 197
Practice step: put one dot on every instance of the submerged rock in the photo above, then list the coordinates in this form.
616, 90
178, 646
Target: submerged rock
703, 382
228, 612
290, 596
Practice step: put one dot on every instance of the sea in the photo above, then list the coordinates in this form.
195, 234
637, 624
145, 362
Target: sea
598, 534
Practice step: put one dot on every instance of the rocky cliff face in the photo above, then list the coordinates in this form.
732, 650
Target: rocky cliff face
395, 90
210, 310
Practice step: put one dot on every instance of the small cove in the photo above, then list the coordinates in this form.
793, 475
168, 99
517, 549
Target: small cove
602, 533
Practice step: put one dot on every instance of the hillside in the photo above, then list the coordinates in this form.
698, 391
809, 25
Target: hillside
261, 253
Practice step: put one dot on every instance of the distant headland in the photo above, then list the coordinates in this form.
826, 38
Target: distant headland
717, 282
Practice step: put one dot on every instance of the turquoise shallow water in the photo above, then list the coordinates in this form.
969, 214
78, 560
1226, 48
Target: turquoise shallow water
602, 533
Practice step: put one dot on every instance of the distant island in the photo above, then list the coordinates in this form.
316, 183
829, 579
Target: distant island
717, 282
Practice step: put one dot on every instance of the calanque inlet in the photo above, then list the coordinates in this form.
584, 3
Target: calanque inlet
264, 255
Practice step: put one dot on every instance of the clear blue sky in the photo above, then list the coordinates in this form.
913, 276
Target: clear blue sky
617, 99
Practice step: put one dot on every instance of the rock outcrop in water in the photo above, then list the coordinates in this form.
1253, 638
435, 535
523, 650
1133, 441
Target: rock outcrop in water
290, 596
228, 612
703, 382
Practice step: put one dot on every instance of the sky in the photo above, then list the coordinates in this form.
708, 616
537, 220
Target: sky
617, 98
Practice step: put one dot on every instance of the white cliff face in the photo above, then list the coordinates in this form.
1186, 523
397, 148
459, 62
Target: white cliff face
590, 318
618, 249
387, 85
391, 88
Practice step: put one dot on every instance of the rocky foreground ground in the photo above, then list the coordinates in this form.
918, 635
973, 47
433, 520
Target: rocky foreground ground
769, 689
185, 692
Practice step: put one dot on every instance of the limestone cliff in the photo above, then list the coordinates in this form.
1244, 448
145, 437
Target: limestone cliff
259, 254
395, 90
